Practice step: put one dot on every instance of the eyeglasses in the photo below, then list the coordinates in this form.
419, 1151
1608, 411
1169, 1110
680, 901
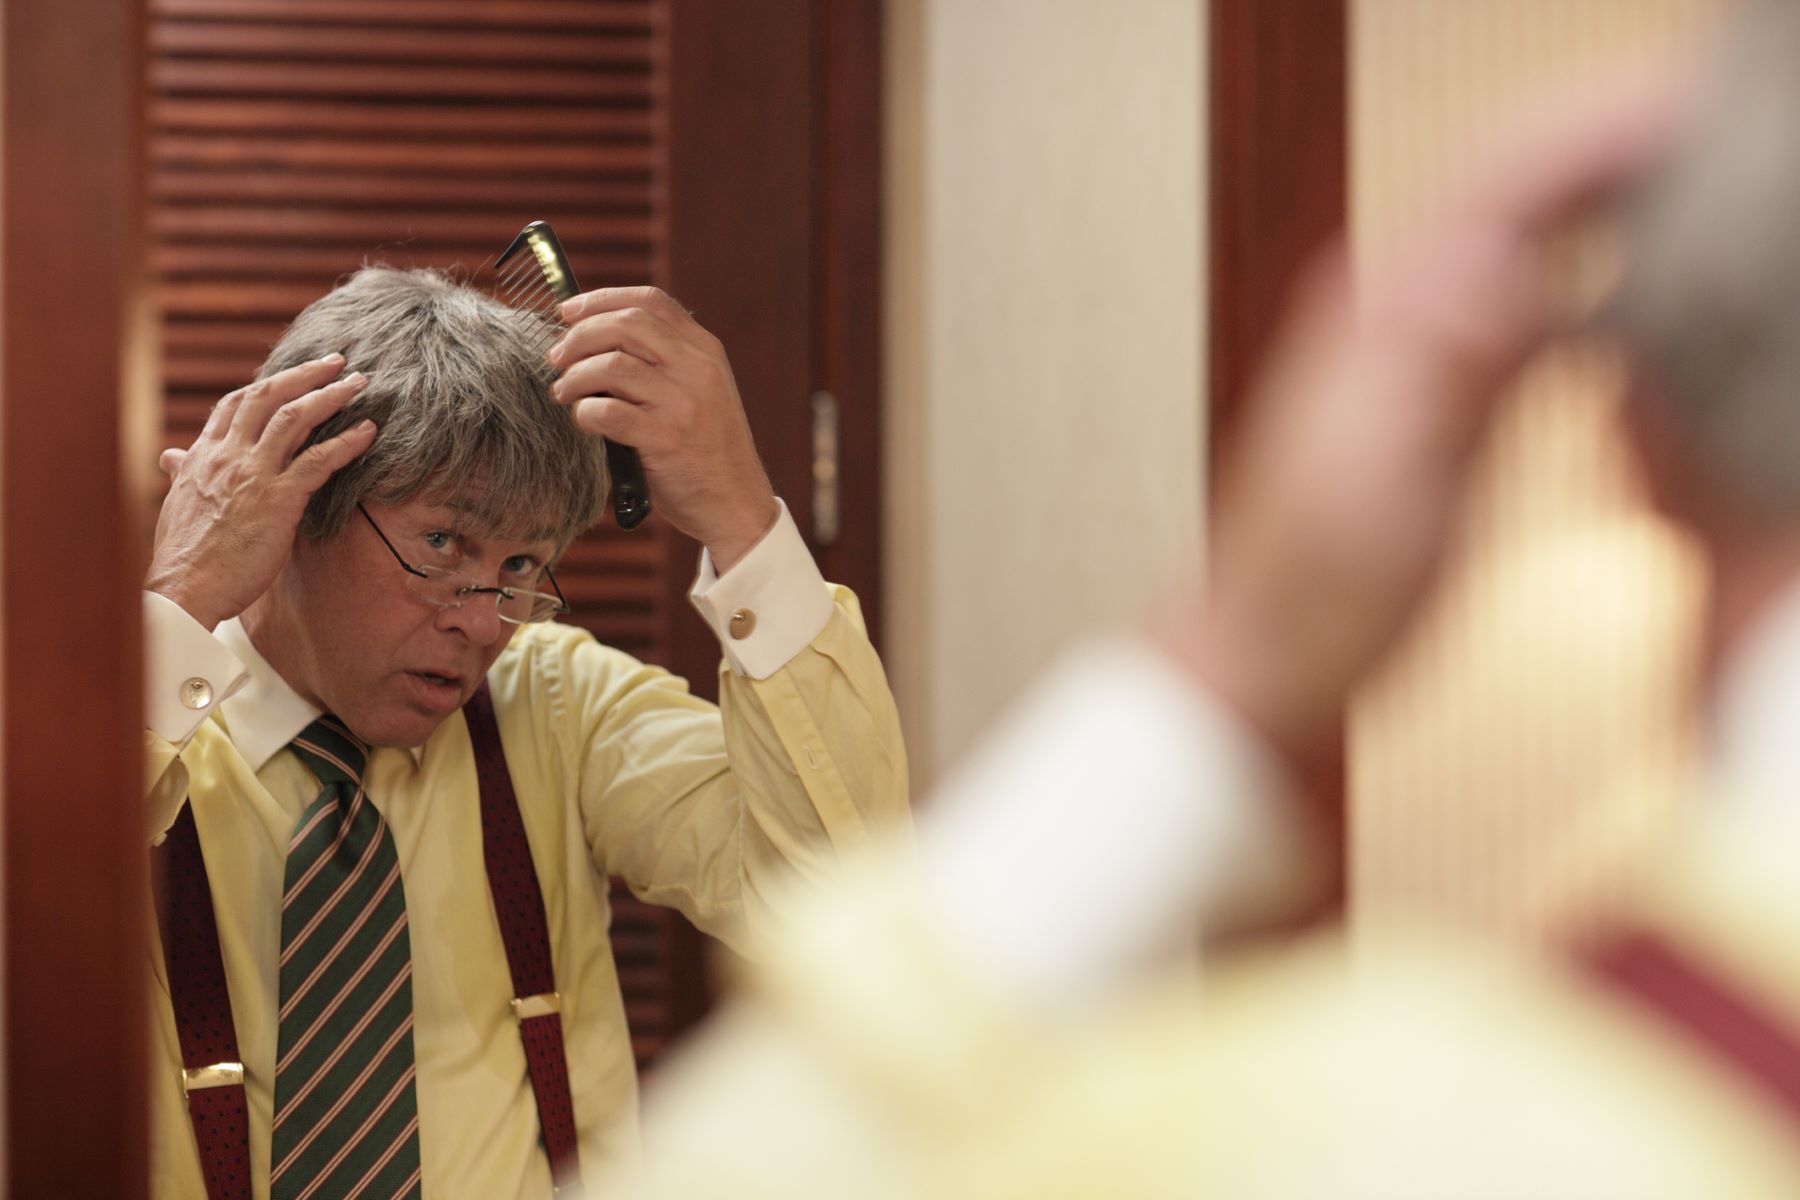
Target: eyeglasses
447, 589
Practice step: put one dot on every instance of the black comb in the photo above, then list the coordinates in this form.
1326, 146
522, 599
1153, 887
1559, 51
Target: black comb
538, 283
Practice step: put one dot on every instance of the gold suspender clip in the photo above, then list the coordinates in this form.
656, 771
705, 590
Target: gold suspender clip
222, 1074
540, 1005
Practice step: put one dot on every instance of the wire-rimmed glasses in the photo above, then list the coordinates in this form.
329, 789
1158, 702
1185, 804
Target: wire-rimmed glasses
444, 588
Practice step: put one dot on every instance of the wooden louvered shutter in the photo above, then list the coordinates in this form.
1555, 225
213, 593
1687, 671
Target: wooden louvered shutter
290, 140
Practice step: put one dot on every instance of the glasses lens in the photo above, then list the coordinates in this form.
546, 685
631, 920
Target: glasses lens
438, 586
525, 607
445, 589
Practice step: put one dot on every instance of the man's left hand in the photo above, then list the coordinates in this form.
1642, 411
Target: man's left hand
639, 370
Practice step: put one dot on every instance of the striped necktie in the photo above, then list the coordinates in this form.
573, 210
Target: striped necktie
346, 1114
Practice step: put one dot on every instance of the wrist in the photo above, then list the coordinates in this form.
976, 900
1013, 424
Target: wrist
1288, 704
207, 615
730, 544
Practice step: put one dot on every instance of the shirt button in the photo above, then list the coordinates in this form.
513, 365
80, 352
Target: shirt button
196, 693
743, 624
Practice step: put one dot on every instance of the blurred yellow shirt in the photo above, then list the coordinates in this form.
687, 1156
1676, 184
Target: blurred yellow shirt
870, 1059
1007, 1013
620, 771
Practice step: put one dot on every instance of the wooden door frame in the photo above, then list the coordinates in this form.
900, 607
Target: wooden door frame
848, 286
740, 205
73, 319
802, 167
1278, 184
1278, 176
803, 161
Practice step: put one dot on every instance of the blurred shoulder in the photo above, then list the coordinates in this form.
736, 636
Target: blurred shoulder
1424, 1065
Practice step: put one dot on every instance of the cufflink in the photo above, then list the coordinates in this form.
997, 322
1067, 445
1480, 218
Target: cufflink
742, 624
196, 693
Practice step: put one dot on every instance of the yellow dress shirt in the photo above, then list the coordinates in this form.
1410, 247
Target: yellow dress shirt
619, 771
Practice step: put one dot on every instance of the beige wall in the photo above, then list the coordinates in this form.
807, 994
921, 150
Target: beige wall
1043, 336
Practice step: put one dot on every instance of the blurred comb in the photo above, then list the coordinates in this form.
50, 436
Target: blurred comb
537, 283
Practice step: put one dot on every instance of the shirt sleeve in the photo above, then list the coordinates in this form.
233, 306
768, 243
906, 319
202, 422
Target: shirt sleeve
187, 672
1119, 813
709, 809
769, 606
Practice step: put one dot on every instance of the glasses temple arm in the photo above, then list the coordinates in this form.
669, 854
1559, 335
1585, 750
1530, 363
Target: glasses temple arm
409, 568
562, 599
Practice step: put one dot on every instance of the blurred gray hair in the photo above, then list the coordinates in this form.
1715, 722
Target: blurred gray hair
1710, 302
460, 390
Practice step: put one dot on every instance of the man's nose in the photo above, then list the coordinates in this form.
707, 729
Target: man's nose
476, 618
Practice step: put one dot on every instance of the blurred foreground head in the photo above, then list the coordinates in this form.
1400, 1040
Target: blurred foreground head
1710, 303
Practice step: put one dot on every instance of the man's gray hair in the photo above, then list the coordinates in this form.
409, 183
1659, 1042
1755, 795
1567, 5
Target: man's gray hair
1710, 302
460, 391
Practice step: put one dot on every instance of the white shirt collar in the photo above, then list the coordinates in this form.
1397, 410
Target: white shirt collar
1754, 757
265, 714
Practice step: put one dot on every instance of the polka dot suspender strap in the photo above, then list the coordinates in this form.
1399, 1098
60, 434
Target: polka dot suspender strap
519, 904
212, 1070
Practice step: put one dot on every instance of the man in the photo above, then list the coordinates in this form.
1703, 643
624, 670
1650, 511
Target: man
343, 562
989, 1026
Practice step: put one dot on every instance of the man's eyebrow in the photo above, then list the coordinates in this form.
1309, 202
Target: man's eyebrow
481, 520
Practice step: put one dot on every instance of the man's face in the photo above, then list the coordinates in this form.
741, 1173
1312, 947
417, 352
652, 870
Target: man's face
357, 639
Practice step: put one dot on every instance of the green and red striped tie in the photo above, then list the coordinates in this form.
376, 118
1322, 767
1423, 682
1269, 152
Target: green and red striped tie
346, 1113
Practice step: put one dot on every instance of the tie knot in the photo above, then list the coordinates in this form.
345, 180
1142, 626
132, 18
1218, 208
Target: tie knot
332, 752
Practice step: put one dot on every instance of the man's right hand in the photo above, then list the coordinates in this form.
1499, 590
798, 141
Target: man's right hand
237, 494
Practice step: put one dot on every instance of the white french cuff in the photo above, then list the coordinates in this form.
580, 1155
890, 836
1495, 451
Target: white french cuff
187, 671
769, 606
1114, 814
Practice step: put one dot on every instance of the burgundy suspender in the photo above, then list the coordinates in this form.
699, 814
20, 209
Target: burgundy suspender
519, 903
213, 1071
1737, 1029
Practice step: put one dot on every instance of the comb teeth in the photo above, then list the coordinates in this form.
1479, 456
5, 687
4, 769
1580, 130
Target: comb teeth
522, 286
525, 287
538, 283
